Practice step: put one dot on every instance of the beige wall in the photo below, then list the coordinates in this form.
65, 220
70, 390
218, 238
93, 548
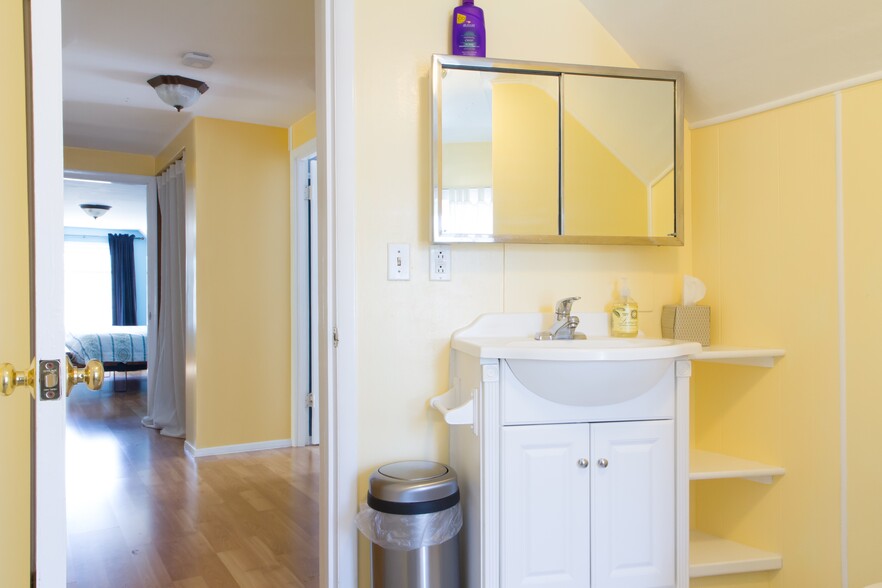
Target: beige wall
14, 304
764, 210
108, 161
404, 327
238, 300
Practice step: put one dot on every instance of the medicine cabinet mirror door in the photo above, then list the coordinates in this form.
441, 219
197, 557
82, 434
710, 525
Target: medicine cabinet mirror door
531, 152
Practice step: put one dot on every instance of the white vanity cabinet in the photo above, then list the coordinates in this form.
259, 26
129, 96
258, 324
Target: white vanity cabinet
581, 484
588, 504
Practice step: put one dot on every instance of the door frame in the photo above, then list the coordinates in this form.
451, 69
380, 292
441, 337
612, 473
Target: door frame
335, 125
304, 330
335, 76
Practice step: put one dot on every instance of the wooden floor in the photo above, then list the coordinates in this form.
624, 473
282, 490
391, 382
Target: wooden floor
143, 514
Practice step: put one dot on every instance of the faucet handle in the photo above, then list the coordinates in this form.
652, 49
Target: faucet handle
563, 307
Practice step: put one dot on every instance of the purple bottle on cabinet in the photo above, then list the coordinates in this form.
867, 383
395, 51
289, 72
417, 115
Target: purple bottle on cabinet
469, 36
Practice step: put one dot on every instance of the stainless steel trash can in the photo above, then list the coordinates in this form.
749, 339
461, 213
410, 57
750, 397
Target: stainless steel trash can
411, 488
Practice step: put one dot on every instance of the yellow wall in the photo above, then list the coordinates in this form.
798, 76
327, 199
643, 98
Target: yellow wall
303, 130
404, 328
662, 194
765, 244
15, 439
601, 195
108, 161
238, 282
862, 178
524, 158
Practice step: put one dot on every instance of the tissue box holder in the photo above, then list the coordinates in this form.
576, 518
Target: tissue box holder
689, 323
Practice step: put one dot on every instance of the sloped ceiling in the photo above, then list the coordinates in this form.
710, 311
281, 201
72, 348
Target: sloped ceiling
739, 55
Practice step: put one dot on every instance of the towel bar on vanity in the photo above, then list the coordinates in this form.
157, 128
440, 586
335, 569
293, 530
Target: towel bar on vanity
454, 415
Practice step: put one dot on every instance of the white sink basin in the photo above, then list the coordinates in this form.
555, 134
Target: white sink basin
583, 372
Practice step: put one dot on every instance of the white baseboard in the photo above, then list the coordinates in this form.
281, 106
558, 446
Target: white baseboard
241, 448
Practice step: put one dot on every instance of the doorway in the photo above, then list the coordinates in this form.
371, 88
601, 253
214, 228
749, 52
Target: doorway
305, 397
336, 147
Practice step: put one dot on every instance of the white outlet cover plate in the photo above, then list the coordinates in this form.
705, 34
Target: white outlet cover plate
439, 262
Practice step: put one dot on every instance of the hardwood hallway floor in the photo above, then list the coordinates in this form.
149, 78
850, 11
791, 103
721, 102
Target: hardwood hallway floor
143, 514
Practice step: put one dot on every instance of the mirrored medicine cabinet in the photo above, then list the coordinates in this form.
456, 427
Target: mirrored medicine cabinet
527, 152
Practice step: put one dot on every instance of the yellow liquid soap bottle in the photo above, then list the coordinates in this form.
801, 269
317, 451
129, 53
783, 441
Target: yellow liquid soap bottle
623, 317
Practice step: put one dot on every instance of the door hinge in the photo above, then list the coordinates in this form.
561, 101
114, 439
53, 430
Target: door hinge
336, 338
310, 401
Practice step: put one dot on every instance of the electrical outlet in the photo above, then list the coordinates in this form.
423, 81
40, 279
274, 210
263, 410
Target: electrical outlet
398, 264
439, 262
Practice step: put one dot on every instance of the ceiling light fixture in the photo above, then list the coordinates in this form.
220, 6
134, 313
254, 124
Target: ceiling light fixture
178, 91
95, 210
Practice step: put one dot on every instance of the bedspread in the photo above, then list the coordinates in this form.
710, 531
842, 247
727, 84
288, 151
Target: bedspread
115, 344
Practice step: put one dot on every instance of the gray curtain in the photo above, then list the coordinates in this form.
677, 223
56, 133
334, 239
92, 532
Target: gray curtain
166, 394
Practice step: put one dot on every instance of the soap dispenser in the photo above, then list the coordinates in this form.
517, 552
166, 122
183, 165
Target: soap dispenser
623, 316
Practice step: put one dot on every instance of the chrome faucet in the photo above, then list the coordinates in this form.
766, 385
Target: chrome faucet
564, 325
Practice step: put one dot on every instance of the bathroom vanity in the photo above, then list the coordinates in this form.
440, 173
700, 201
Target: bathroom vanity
572, 456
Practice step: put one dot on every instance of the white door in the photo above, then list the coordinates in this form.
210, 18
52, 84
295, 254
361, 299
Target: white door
50, 535
15, 348
545, 487
632, 504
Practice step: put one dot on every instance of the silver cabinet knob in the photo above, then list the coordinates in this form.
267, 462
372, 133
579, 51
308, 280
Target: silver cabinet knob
583, 463
602, 462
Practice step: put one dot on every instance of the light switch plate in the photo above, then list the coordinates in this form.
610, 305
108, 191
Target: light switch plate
398, 264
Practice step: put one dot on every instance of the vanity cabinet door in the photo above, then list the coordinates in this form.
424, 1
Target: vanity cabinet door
632, 504
545, 508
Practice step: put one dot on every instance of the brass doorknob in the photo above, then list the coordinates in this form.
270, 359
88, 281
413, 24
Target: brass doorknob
92, 375
11, 379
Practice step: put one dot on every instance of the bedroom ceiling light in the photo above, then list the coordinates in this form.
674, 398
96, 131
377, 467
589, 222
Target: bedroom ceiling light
178, 91
95, 210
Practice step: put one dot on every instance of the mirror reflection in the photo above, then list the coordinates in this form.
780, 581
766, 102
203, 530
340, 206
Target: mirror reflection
499, 153
618, 156
541, 153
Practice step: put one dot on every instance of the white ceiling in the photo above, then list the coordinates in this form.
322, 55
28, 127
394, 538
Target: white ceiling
263, 73
741, 54
128, 202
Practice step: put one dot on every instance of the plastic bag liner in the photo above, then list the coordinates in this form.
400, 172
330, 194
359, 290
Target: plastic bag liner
407, 532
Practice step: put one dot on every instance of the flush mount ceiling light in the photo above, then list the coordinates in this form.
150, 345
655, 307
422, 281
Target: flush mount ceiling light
95, 210
178, 91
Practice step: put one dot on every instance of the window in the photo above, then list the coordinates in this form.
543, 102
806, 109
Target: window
87, 291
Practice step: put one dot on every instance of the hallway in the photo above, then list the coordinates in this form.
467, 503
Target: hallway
143, 514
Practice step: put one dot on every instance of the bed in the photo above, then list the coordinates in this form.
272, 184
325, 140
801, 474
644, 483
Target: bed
120, 349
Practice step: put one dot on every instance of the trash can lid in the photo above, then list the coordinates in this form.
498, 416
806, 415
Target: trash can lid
413, 482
